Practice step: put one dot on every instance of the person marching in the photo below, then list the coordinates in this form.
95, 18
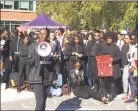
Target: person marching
42, 72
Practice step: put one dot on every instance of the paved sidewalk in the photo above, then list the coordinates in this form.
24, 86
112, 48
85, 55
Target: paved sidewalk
11, 100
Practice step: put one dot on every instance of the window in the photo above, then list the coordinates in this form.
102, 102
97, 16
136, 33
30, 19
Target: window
1, 26
1, 4
24, 5
16, 5
11, 25
8, 5
30, 5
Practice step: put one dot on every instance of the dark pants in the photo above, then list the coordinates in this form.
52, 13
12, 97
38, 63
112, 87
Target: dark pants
6, 63
86, 92
132, 85
41, 93
107, 86
63, 71
22, 70
136, 81
89, 76
15, 63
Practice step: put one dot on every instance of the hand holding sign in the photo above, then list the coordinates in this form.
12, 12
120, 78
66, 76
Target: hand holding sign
104, 65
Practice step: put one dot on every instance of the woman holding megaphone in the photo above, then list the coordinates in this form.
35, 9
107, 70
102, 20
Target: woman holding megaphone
42, 68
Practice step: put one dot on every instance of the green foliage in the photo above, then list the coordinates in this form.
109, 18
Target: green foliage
91, 14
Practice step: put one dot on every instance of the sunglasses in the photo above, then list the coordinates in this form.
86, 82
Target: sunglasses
43, 33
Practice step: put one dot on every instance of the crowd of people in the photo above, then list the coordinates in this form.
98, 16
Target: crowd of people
71, 65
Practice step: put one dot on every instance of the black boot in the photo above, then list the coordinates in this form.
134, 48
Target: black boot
18, 89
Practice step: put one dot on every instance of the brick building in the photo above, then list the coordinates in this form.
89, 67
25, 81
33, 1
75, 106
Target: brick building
16, 12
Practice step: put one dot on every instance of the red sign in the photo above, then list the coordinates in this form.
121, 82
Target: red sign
136, 63
104, 66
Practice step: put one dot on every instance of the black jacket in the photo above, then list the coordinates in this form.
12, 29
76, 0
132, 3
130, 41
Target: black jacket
73, 58
6, 48
39, 73
94, 50
124, 51
114, 50
13, 45
24, 49
74, 81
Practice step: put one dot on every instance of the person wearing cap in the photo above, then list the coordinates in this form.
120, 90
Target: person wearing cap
128, 30
120, 41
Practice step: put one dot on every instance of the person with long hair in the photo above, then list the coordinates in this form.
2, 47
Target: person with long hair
79, 87
75, 51
5, 53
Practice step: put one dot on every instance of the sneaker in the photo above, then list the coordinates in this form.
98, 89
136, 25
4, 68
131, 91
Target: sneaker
3, 86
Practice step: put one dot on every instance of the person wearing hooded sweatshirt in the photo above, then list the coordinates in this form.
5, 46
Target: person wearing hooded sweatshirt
75, 51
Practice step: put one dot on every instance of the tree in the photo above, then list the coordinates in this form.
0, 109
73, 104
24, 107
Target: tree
91, 14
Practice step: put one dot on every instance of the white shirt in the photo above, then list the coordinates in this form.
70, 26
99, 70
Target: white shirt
132, 52
60, 39
120, 43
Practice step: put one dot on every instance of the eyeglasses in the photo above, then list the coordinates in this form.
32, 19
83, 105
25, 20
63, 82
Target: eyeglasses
97, 35
126, 38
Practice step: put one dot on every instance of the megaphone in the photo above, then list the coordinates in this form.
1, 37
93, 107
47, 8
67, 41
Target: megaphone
44, 49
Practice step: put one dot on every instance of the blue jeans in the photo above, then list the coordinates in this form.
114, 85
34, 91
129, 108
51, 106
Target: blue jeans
6, 63
89, 76
59, 80
132, 84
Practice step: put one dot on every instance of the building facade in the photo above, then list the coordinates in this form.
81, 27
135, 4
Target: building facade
16, 12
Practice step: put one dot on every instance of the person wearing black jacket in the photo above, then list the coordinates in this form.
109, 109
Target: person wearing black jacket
108, 84
79, 87
94, 48
42, 72
124, 63
23, 50
14, 50
75, 51
5, 53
